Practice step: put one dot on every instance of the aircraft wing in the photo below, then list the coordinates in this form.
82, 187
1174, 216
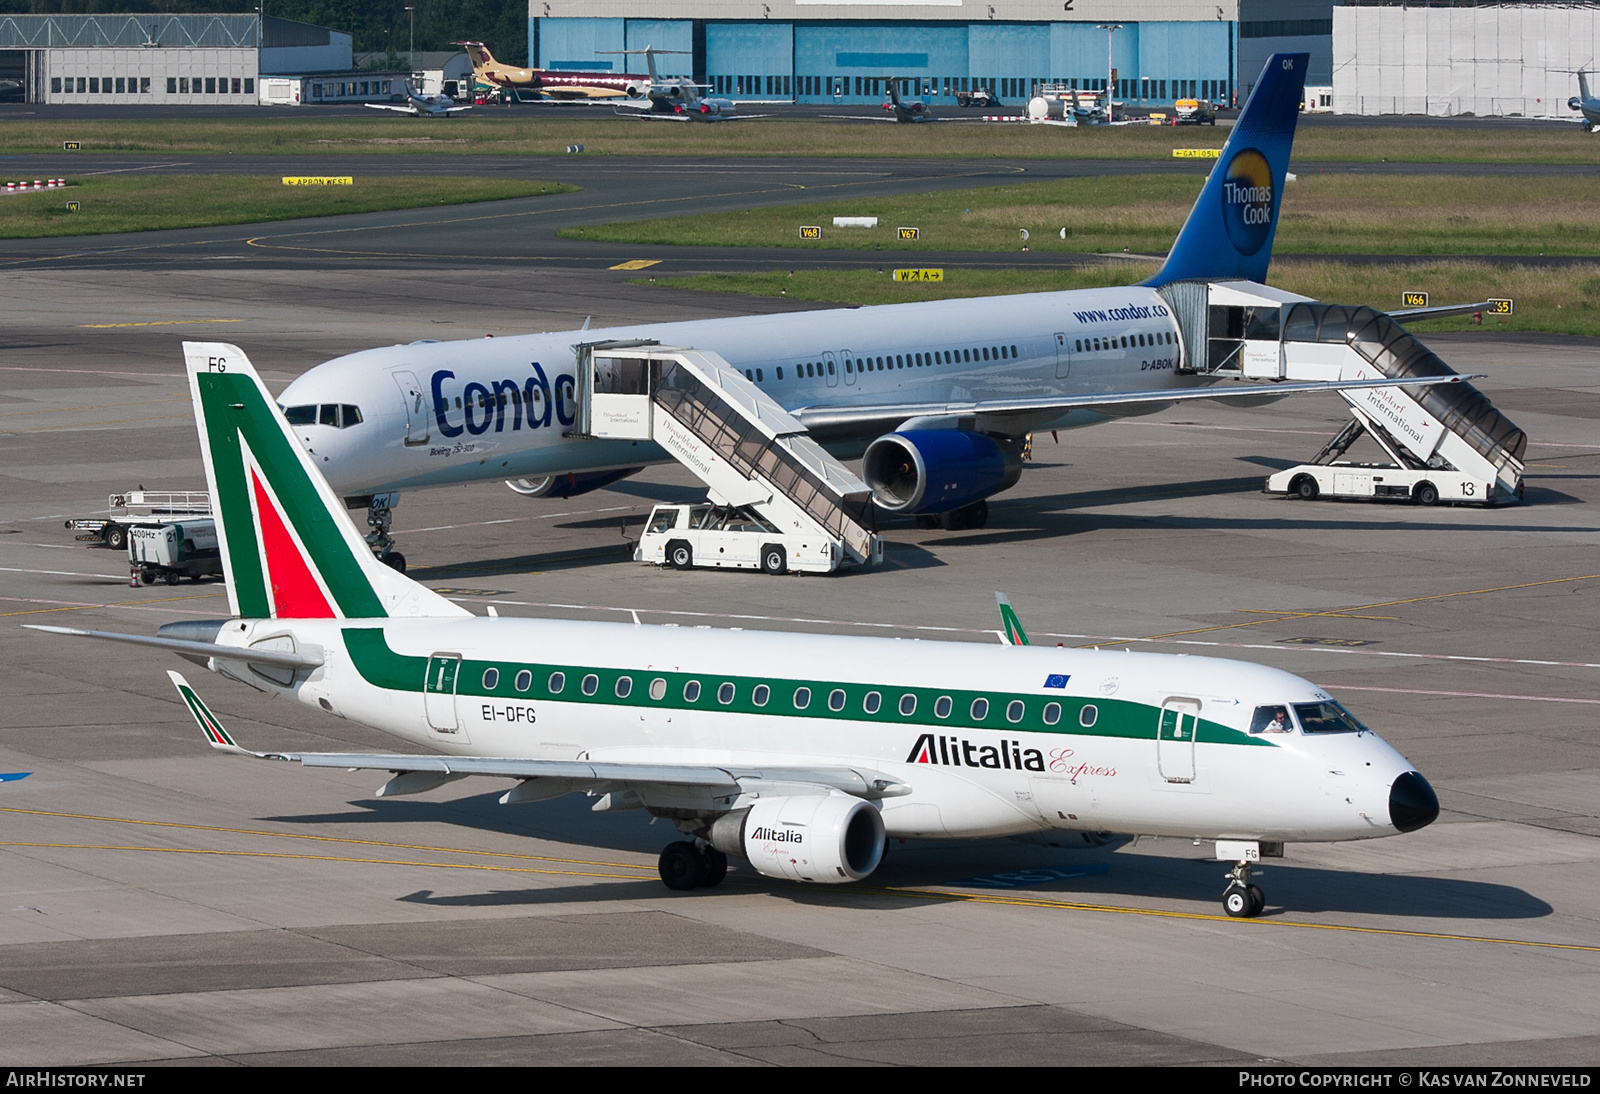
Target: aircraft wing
566, 776
396, 109
852, 419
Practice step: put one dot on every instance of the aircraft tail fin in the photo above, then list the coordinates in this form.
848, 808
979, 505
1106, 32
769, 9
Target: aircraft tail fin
477, 53
289, 549
1583, 86
1229, 233
1015, 635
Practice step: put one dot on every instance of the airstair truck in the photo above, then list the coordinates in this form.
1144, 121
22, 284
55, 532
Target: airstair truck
753, 456
1444, 443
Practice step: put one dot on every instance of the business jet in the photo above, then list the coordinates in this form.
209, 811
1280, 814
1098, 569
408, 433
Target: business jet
672, 98
801, 754
553, 84
948, 389
1587, 104
419, 105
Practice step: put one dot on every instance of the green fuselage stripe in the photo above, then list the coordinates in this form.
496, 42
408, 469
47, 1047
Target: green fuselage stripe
382, 667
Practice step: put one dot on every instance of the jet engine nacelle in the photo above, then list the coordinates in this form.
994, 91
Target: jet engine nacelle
825, 838
1574, 103
570, 484
937, 470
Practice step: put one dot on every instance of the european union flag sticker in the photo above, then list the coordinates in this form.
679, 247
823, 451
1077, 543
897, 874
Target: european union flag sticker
1056, 680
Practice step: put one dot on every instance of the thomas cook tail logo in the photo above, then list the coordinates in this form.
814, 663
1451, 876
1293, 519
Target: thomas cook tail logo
1247, 200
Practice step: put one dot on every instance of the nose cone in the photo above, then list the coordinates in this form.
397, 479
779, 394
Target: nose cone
1412, 803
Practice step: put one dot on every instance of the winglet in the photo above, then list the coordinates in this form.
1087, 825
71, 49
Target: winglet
216, 736
1014, 633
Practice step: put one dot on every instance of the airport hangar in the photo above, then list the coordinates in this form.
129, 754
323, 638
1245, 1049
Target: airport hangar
184, 60
842, 51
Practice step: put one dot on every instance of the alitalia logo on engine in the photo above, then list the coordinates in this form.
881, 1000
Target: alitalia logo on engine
933, 748
778, 835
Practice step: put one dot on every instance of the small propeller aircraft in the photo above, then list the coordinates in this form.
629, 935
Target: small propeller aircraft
419, 105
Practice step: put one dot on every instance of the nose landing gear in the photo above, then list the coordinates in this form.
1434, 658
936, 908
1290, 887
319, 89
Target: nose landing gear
1241, 899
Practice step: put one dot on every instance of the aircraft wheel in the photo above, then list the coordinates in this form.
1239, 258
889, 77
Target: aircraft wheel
716, 867
1237, 902
1306, 489
395, 561
1258, 900
682, 866
774, 560
927, 520
680, 556
977, 514
1426, 494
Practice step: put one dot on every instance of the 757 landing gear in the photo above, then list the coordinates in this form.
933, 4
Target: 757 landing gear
687, 865
380, 516
1241, 899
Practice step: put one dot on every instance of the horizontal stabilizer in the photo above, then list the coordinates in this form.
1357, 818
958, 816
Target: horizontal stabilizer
276, 658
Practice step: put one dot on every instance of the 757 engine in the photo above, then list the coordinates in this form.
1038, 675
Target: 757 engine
938, 470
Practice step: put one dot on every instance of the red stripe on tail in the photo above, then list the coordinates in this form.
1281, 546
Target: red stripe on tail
295, 593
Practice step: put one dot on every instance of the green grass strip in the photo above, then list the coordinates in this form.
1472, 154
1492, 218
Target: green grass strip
143, 203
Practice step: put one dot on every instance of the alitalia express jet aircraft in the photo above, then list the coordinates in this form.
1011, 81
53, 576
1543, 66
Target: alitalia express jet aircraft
940, 392
800, 753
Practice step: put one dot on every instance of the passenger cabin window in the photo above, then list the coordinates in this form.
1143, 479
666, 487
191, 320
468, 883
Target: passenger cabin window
558, 681
624, 686
872, 702
658, 689
491, 679
761, 695
691, 691
591, 684
980, 709
802, 698
524, 680
1088, 716
941, 706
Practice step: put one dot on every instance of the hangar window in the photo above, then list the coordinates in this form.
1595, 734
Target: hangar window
122, 85
980, 709
94, 85
211, 85
691, 692
491, 679
55, 85
1089, 715
802, 698
144, 85
558, 681
80, 85
524, 680
591, 684
249, 85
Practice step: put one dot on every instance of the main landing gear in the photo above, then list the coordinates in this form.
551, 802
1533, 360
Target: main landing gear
1241, 899
975, 515
688, 865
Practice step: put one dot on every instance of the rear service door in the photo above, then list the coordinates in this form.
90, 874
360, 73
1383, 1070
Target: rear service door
439, 696
1063, 356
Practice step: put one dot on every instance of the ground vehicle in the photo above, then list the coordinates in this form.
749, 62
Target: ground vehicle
172, 550
725, 537
1427, 486
978, 96
136, 506
1194, 112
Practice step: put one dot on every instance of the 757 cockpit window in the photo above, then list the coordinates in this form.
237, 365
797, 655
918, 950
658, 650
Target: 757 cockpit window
1327, 717
301, 415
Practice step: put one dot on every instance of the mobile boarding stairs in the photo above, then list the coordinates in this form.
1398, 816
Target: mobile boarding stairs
1243, 330
748, 450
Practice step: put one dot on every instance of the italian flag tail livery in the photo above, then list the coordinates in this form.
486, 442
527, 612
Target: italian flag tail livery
289, 548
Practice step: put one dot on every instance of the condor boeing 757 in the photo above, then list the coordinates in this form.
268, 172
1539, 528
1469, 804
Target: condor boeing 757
799, 753
927, 393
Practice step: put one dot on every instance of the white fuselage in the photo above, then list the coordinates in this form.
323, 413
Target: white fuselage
434, 413
1070, 739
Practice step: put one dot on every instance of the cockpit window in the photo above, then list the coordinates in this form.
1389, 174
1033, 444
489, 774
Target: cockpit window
349, 415
330, 415
1273, 719
1327, 718
301, 415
